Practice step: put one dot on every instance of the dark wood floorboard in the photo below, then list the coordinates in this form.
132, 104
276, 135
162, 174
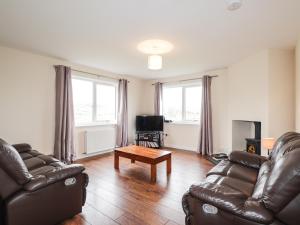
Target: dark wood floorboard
126, 197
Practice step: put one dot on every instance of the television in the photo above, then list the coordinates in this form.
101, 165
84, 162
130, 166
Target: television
149, 123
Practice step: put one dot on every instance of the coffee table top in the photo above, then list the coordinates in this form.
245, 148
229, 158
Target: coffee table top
143, 151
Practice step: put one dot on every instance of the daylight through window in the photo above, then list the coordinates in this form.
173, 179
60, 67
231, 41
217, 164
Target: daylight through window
94, 101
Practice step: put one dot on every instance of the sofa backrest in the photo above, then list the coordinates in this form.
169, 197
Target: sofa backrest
283, 182
13, 172
278, 149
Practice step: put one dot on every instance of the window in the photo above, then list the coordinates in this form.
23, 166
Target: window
172, 104
182, 103
94, 101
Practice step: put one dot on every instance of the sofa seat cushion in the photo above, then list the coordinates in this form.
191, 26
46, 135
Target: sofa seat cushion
29, 154
34, 162
234, 170
262, 178
47, 168
221, 168
244, 187
39, 164
48, 159
242, 172
42, 170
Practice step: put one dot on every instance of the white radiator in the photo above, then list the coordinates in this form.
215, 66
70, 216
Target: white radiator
100, 140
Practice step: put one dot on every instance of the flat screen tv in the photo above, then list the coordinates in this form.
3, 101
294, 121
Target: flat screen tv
149, 123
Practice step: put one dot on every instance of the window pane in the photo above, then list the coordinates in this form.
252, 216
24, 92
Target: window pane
83, 101
172, 103
193, 103
106, 102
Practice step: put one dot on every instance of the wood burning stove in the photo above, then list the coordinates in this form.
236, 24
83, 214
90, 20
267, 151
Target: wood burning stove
253, 145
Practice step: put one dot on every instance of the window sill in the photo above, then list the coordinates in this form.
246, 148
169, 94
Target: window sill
197, 123
95, 124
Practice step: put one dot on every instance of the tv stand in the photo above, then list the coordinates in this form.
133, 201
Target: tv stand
150, 139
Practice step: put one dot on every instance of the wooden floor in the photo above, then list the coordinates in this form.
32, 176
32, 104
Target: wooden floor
127, 197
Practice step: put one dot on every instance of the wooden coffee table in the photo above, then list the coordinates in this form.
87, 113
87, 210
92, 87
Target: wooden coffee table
145, 155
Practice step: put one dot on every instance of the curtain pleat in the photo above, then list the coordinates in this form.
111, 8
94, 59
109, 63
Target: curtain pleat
64, 149
158, 96
206, 135
122, 117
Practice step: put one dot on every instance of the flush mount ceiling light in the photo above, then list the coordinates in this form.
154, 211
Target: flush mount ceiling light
234, 4
154, 48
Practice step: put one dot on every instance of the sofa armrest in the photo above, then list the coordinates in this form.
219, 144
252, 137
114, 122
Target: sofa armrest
247, 159
23, 147
54, 176
232, 201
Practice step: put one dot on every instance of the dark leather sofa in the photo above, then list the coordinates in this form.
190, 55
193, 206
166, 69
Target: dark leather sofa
249, 189
36, 189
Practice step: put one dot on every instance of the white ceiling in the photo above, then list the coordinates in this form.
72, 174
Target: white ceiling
105, 33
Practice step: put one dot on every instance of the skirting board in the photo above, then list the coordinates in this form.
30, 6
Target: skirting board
84, 155
182, 148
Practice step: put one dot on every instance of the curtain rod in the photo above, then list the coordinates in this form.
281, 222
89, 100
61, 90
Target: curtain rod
199, 78
97, 75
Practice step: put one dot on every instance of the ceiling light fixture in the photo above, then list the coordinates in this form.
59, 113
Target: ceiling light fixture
155, 48
234, 4
154, 62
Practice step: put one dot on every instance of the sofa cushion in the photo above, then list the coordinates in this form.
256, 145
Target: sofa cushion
284, 180
243, 173
42, 170
48, 159
221, 168
234, 170
244, 187
240, 185
247, 159
278, 149
262, 178
13, 165
22, 147
34, 162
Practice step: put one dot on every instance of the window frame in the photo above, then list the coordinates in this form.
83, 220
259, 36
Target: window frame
183, 86
95, 82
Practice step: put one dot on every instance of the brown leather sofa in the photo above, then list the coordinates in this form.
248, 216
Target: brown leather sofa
249, 189
36, 189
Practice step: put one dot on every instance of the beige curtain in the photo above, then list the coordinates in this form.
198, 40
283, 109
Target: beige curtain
206, 135
122, 117
64, 116
158, 95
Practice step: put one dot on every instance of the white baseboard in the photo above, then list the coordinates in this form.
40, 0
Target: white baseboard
85, 155
182, 148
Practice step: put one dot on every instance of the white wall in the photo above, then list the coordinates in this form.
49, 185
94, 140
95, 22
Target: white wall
261, 89
186, 136
297, 86
281, 96
248, 87
27, 99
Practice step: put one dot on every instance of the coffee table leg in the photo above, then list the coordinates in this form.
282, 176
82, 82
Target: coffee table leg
153, 173
132, 161
169, 165
116, 161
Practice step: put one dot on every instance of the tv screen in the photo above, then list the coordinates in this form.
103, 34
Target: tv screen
149, 123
